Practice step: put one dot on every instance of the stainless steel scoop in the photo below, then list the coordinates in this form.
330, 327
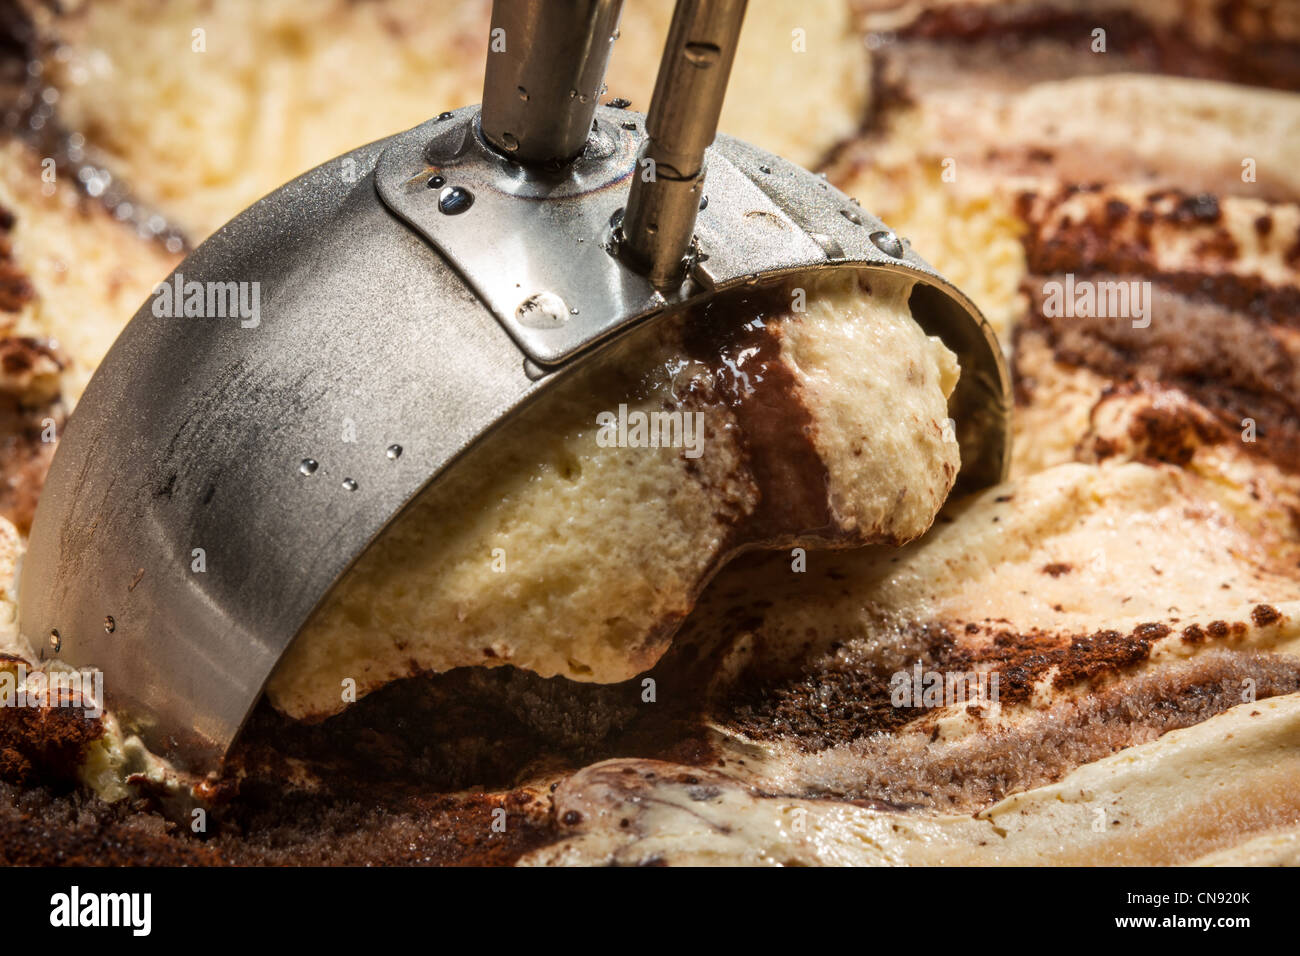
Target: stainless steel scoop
411, 295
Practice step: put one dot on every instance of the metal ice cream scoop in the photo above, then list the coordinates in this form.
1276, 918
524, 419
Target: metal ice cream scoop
417, 292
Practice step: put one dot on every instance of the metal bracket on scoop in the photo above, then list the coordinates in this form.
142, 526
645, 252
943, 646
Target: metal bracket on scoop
539, 251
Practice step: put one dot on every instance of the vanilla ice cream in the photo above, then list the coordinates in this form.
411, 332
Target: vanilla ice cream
551, 551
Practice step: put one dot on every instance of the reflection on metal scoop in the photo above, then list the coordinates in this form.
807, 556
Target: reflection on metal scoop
423, 288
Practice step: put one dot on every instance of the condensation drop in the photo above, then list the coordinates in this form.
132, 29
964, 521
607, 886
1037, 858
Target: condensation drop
542, 310
454, 200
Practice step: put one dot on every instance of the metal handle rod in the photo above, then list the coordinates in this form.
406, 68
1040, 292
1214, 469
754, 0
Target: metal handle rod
665, 197
545, 69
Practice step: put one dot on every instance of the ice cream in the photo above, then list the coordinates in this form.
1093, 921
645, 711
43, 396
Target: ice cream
1185, 798
807, 415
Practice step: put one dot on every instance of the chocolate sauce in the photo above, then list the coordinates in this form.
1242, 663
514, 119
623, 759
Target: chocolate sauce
736, 336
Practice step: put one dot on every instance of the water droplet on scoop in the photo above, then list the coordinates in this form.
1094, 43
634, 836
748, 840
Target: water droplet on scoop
888, 243
454, 200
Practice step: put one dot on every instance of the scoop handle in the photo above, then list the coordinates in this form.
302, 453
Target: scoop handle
545, 69
659, 222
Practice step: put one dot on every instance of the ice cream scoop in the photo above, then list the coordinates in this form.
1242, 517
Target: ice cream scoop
313, 366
